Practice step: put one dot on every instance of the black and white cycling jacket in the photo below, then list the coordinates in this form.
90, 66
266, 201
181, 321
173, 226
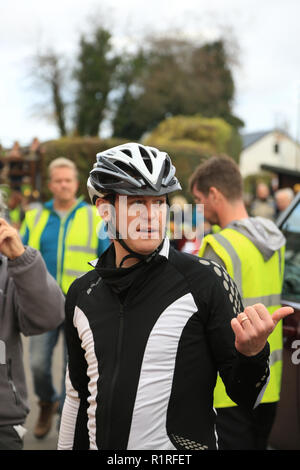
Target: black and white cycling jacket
141, 374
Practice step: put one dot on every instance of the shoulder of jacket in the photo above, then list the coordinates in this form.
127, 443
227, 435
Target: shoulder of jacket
31, 214
204, 277
212, 238
82, 283
88, 207
189, 265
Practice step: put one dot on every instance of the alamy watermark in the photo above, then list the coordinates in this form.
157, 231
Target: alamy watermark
138, 220
296, 354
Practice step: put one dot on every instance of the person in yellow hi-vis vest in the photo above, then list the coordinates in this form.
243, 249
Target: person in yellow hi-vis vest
252, 252
69, 234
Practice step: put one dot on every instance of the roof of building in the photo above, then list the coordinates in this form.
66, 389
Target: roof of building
250, 139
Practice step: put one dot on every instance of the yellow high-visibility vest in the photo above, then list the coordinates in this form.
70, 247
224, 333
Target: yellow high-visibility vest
81, 241
258, 281
15, 215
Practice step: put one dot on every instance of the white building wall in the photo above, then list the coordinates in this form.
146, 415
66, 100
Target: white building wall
263, 152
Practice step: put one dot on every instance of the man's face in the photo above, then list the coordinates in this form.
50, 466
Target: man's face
141, 221
282, 201
63, 184
262, 191
210, 213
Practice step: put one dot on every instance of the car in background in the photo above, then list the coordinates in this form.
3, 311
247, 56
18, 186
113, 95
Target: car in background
285, 434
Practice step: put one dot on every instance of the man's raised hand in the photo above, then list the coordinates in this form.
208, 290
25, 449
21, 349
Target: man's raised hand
10, 241
253, 327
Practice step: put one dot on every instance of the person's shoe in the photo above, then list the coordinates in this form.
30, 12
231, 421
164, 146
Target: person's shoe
44, 422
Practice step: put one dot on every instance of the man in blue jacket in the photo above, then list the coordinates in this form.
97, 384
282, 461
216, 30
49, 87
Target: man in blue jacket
69, 233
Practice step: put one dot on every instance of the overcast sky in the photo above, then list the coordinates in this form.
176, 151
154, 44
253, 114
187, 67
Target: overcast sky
267, 32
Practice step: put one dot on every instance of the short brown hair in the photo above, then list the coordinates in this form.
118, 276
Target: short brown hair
221, 172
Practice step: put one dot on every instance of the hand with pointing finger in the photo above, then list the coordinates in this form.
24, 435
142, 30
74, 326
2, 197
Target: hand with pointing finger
10, 241
253, 326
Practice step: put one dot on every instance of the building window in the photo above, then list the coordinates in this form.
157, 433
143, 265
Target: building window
276, 147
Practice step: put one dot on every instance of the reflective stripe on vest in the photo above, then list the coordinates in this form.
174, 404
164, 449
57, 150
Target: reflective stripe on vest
275, 356
80, 245
267, 300
253, 284
36, 221
236, 262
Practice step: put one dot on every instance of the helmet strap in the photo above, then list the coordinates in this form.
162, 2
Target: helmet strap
134, 254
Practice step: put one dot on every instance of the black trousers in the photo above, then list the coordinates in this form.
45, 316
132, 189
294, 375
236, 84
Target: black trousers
10, 439
243, 429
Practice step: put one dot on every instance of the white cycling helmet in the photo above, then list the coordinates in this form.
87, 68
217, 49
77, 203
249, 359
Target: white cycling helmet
132, 169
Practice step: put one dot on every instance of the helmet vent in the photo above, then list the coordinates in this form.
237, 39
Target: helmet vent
127, 152
146, 158
132, 169
129, 171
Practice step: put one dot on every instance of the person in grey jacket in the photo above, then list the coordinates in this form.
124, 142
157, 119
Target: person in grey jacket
31, 303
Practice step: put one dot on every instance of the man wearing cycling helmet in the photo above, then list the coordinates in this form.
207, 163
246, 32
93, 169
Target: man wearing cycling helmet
149, 328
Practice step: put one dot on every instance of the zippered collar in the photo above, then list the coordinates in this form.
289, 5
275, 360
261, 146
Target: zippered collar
165, 248
121, 279
163, 252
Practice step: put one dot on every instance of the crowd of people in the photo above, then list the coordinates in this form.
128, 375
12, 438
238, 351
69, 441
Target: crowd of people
154, 339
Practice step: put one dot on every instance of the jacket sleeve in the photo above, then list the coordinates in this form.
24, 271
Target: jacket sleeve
73, 433
39, 302
245, 378
69, 417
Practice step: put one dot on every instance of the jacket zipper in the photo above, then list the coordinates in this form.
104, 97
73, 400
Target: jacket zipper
11, 382
114, 376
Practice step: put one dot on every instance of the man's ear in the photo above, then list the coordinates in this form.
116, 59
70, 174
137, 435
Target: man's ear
104, 209
214, 194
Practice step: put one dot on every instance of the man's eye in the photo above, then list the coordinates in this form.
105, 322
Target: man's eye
137, 203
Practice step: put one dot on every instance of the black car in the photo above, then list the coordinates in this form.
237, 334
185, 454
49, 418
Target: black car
286, 430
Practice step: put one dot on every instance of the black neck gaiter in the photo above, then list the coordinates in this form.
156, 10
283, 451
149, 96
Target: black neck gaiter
121, 279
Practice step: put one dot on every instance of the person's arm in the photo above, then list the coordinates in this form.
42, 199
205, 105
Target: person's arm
69, 417
38, 300
73, 433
